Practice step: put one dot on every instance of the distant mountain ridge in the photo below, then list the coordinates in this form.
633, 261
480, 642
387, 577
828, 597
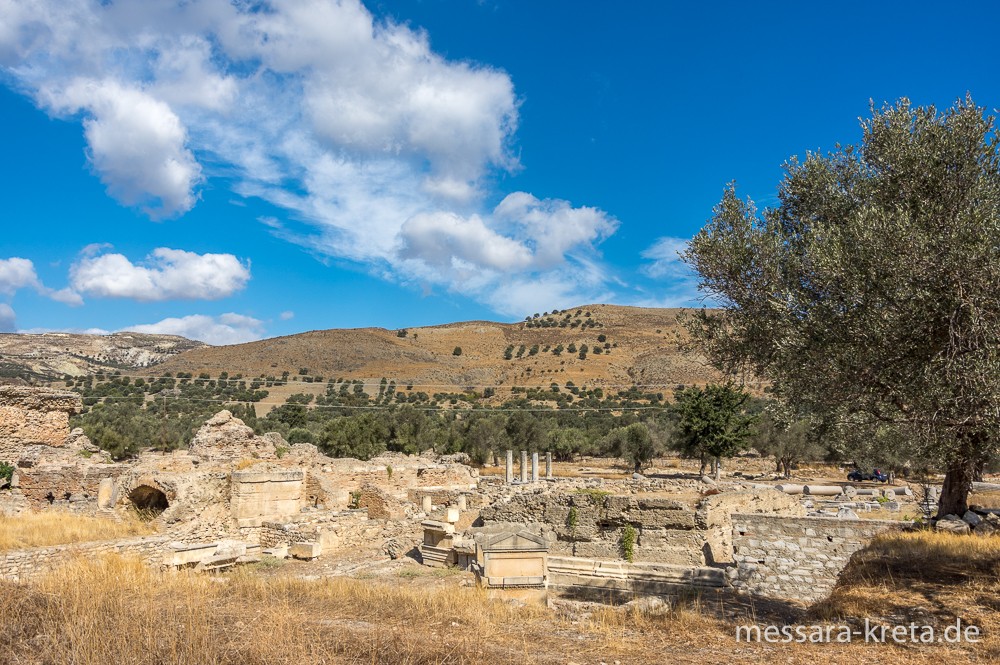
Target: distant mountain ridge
48, 356
638, 346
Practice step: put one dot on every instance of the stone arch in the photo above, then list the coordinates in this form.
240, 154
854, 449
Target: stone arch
149, 501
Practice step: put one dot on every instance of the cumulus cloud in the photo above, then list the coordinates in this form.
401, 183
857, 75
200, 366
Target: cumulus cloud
17, 273
136, 143
166, 274
8, 322
227, 328
385, 149
286, 316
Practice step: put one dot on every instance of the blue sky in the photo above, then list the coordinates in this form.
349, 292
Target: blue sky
231, 171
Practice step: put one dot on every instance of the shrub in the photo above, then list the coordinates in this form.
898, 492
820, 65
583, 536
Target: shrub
628, 542
457, 351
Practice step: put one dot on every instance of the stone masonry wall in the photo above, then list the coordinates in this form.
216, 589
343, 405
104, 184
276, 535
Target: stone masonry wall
796, 558
33, 416
25, 564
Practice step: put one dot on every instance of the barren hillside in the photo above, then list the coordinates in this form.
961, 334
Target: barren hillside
53, 355
637, 346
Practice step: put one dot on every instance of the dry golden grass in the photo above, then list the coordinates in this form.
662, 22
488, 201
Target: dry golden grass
115, 610
59, 528
927, 577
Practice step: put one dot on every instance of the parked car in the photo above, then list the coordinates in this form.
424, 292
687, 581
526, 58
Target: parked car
876, 475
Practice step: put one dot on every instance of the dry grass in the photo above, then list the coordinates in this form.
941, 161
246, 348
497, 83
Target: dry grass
927, 577
59, 528
115, 610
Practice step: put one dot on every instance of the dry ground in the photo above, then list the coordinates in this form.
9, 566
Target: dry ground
114, 610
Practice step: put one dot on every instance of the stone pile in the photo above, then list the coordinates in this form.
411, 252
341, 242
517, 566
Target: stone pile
977, 520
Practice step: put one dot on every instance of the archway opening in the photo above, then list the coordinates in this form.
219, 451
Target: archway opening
148, 501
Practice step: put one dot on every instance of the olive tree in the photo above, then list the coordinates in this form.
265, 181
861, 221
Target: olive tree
873, 286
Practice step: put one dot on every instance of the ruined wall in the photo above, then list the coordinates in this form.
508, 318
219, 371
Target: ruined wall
66, 486
225, 437
25, 564
796, 558
338, 530
591, 524
257, 496
33, 416
393, 473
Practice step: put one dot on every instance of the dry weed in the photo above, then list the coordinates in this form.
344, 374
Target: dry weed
60, 528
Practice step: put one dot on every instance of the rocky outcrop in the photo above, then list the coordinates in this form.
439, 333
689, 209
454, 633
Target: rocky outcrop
225, 437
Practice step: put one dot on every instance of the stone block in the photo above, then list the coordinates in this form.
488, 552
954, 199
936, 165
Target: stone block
307, 551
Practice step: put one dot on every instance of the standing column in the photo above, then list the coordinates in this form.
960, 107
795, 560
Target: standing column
510, 467
548, 466
534, 467
524, 466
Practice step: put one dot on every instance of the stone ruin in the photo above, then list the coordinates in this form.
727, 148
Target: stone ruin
233, 496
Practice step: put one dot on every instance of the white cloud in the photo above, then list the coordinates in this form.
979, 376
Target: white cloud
286, 316
136, 142
18, 273
385, 149
167, 274
227, 328
665, 258
8, 321
678, 284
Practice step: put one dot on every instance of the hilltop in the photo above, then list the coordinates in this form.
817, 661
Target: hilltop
637, 346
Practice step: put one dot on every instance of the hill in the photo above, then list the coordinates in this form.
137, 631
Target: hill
26, 357
636, 346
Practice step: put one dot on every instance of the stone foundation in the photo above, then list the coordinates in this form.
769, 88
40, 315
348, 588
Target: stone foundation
797, 558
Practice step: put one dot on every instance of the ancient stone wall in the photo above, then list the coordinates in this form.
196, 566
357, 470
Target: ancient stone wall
257, 496
33, 416
592, 524
25, 564
796, 558
339, 530
66, 486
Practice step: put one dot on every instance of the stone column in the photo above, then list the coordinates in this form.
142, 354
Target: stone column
524, 466
510, 467
534, 467
428, 505
548, 466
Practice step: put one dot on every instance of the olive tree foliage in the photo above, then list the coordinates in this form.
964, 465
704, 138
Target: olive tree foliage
634, 444
712, 423
788, 437
873, 287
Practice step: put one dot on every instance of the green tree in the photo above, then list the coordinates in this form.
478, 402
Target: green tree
712, 423
787, 438
363, 436
874, 286
633, 444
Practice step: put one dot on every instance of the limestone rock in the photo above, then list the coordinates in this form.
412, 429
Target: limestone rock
847, 514
952, 524
972, 519
225, 437
988, 526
